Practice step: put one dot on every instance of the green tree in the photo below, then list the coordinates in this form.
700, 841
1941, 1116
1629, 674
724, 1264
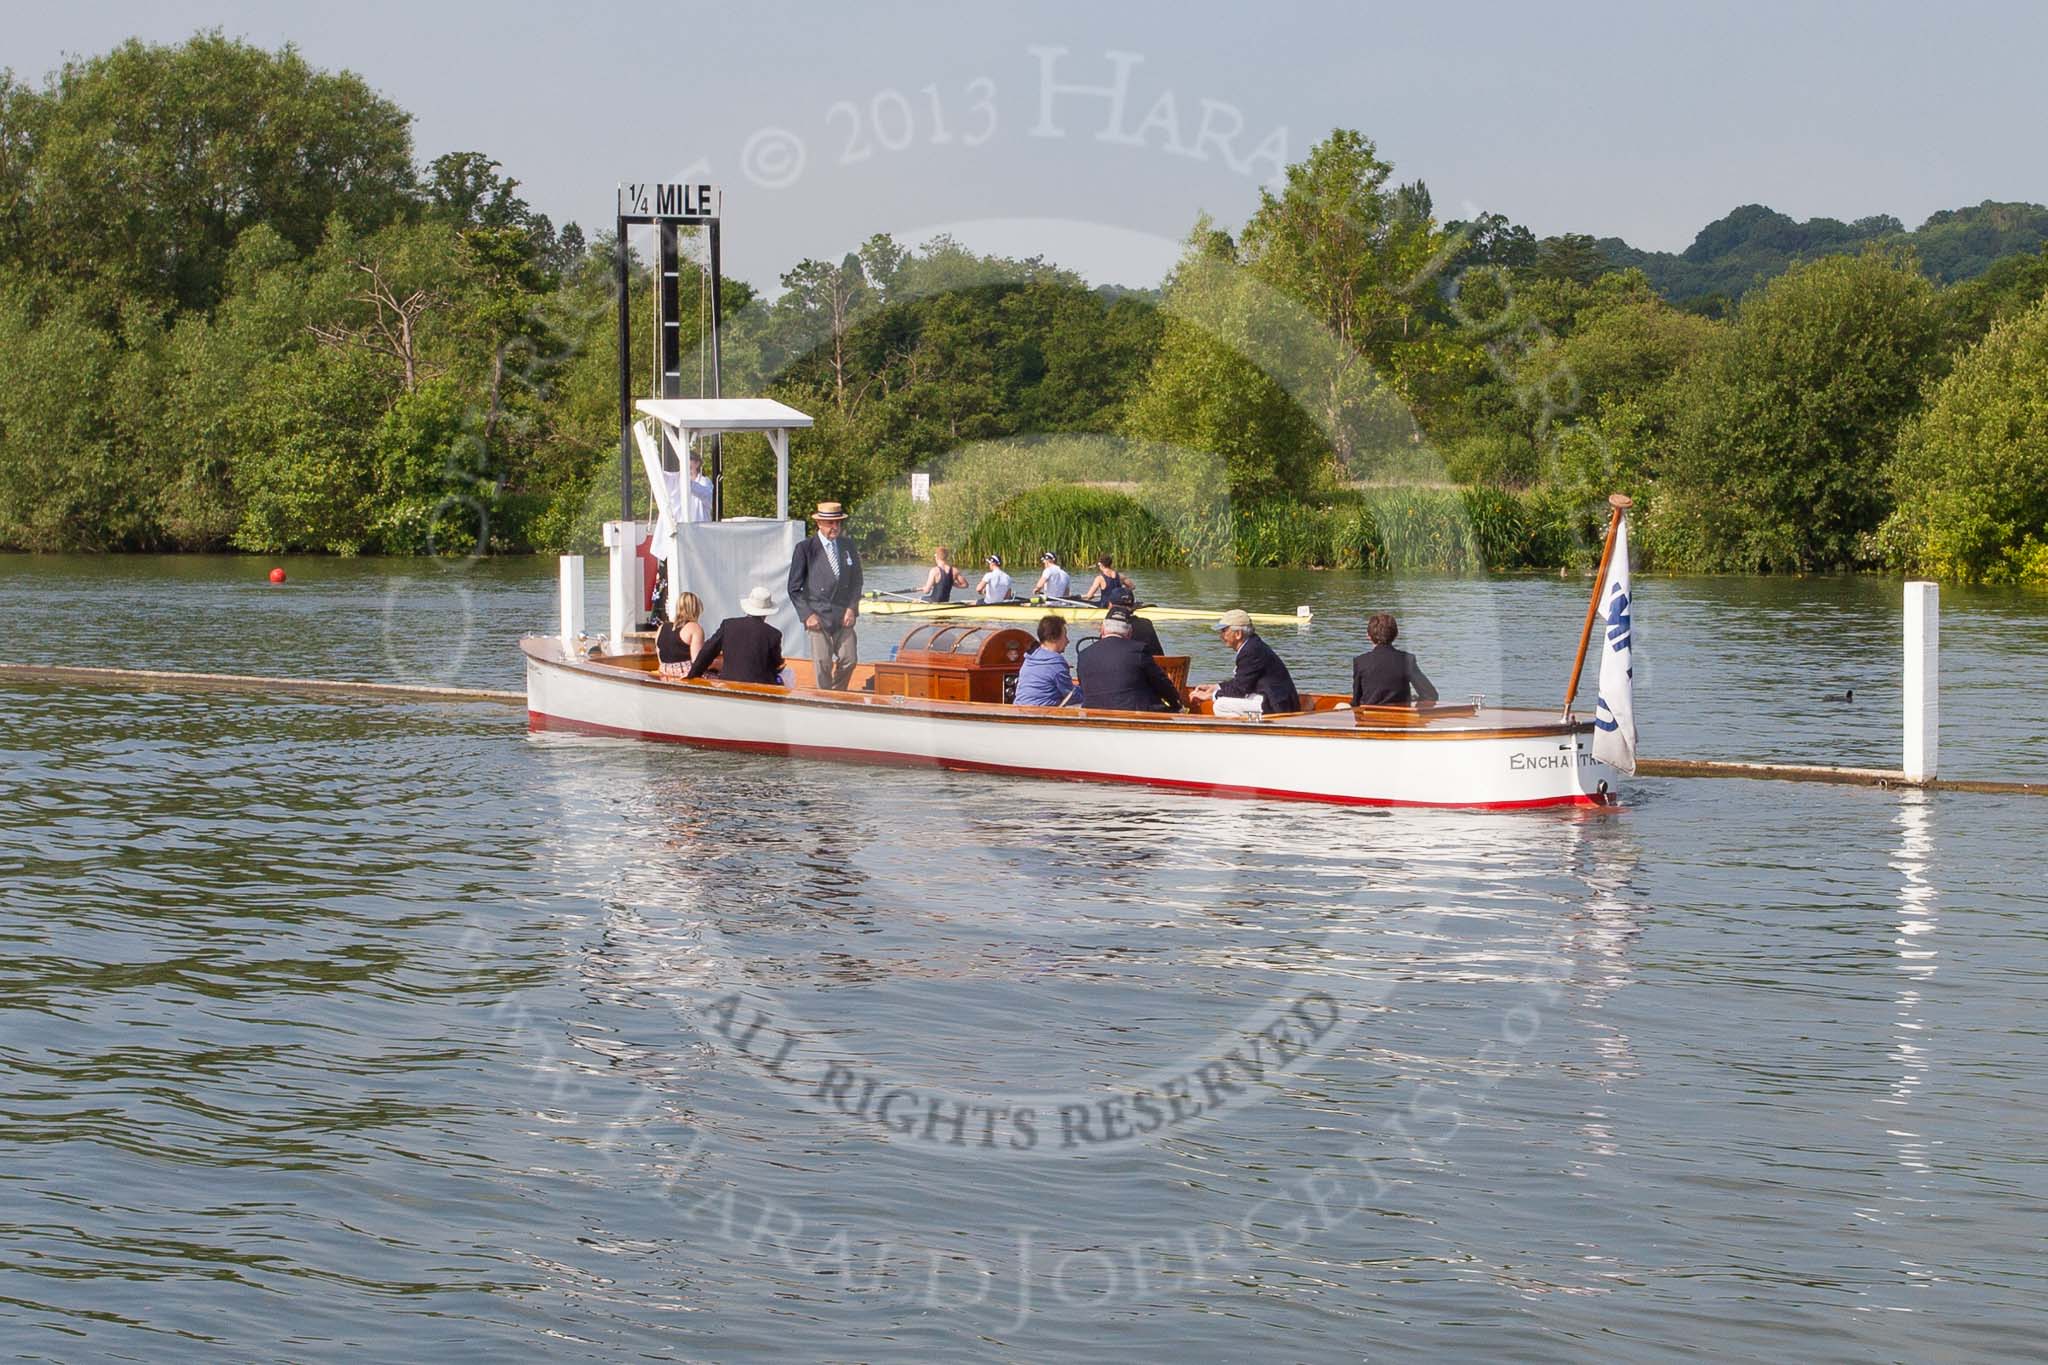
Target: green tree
1357, 257
308, 471
1777, 459
1206, 395
1971, 473
1573, 256
63, 482
147, 163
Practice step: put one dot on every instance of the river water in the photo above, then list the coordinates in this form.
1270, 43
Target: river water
339, 1028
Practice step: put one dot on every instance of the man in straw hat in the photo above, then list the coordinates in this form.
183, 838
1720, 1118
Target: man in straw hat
752, 648
824, 587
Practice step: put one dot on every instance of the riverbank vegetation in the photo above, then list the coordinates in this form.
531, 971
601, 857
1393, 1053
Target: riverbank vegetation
236, 312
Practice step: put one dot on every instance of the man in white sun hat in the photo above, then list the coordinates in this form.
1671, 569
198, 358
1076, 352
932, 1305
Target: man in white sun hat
752, 648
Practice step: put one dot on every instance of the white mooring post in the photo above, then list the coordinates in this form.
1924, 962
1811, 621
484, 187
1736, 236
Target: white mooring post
1923, 680
572, 604
622, 540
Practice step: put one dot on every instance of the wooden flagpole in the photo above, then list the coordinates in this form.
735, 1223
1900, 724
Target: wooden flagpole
1619, 503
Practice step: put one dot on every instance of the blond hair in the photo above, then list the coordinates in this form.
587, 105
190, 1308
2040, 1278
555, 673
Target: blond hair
689, 607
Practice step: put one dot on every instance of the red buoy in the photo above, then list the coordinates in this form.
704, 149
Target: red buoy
277, 575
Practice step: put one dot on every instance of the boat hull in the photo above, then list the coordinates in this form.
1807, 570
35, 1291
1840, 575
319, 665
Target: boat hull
1499, 767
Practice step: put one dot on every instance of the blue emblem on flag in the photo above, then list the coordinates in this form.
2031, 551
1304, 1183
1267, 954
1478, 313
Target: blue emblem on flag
1617, 619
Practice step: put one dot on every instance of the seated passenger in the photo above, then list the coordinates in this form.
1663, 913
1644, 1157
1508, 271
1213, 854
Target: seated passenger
1118, 675
995, 584
681, 637
943, 577
1260, 672
1146, 634
751, 647
1042, 679
1384, 675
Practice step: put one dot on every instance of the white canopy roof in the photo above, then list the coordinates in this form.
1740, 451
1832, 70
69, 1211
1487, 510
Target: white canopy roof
723, 414
686, 418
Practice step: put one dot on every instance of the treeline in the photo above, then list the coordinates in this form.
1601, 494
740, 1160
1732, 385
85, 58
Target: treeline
236, 313
1753, 244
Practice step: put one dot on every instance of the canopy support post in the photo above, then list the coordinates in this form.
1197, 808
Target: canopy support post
779, 438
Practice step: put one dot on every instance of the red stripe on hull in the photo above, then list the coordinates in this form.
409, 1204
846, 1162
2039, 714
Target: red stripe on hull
537, 721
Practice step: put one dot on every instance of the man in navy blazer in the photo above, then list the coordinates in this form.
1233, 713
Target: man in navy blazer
751, 647
1117, 674
824, 587
1260, 672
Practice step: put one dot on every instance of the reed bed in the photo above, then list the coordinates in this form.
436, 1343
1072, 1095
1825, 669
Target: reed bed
1468, 530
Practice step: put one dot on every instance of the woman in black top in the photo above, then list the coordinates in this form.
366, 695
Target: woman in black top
1384, 675
681, 637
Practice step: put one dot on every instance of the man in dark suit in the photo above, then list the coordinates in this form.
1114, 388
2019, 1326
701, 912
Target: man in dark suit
752, 648
1118, 675
1260, 672
824, 587
1146, 634
1384, 675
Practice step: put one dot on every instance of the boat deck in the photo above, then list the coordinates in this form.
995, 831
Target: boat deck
1326, 712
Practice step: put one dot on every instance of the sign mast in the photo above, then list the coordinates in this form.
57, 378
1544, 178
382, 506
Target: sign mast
667, 206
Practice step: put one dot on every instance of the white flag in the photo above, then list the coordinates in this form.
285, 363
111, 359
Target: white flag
1614, 716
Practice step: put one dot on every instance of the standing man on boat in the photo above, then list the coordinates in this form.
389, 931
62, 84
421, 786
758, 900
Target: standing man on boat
1053, 581
1260, 671
1118, 674
824, 587
698, 493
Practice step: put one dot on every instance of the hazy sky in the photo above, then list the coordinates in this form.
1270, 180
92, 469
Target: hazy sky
825, 123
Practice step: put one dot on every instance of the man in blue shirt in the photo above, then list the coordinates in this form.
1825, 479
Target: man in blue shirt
1042, 679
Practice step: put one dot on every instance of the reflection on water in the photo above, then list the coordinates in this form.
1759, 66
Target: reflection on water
333, 1028
1919, 918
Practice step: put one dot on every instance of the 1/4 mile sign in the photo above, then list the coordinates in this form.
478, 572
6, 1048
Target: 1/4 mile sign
656, 201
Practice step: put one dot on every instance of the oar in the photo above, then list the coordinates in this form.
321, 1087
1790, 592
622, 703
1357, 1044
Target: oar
894, 594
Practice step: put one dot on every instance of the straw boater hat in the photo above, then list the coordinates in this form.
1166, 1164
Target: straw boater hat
759, 602
829, 511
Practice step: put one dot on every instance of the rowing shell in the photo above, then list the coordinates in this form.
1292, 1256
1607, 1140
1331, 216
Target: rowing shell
1031, 611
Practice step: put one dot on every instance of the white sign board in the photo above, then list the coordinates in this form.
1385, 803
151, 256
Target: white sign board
920, 487
655, 199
